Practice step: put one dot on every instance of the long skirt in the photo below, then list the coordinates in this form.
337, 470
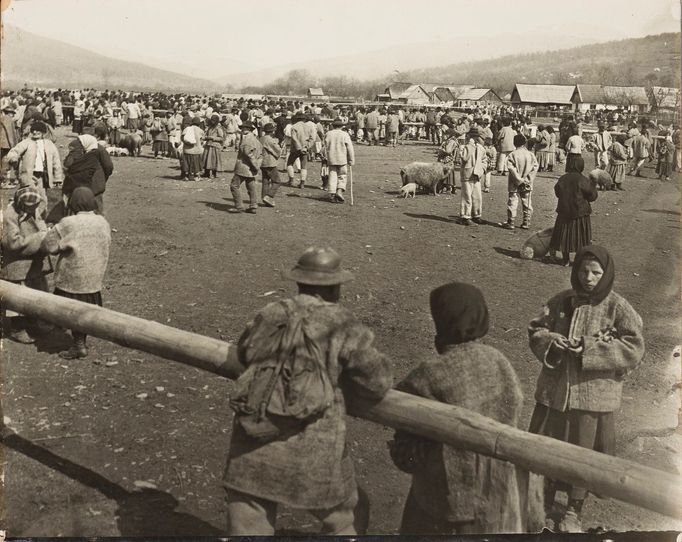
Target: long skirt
192, 163
160, 147
584, 428
571, 234
570, 159
94, 298
617, 172
78, 126
212, 159
544, 159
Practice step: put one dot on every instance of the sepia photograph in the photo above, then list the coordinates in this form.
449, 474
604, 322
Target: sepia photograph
303, 268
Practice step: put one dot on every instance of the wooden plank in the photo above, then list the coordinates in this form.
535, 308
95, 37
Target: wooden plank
624, 480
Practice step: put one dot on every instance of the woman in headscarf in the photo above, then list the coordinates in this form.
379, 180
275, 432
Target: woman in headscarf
215, 136
573, 226
455, 491
587, 339
192, 149
23, 230
87, 164
82, 241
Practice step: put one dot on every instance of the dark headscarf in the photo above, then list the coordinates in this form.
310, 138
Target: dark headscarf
82, 200
196, 121
459, 312
604, 286
577, 165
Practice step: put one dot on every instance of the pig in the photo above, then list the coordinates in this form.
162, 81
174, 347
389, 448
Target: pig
132, 142
409, 188
427, 175
601, 178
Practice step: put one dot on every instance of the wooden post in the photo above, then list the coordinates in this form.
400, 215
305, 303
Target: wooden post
624, 480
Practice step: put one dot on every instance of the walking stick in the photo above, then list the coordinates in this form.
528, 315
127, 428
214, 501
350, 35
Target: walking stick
350, 177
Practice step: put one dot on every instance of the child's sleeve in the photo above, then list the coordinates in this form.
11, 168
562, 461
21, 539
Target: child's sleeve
541, 337
621, 348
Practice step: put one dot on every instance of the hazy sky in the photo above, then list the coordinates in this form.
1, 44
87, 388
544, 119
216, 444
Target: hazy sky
193, 36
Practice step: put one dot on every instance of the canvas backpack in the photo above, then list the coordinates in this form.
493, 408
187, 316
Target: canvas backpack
286, 377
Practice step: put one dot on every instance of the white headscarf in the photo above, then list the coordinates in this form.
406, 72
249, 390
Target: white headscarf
88, 141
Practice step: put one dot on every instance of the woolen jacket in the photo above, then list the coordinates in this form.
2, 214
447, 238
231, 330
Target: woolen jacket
613, 343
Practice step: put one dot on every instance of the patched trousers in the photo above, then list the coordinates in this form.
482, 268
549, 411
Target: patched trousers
337, 178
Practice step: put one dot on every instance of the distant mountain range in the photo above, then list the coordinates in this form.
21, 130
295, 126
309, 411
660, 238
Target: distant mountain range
400, 58
38, 61
635, 61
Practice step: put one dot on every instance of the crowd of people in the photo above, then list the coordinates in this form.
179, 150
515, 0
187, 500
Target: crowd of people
306, 356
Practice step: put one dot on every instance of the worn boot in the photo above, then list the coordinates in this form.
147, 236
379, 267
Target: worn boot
78, 349
304, 178
339, 196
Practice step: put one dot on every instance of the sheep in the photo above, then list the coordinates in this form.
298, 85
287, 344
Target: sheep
428, 175
601, 179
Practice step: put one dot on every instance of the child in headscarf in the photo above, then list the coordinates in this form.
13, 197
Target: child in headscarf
455, 491
587, 338
82, 241
23, 230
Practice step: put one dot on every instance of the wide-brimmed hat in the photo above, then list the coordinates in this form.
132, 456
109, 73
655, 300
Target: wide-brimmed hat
337, 123
319, 267
247, 125
269, 128
9, 108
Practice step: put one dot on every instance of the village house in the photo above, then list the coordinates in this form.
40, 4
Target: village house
317, 94
553, 96
586, 97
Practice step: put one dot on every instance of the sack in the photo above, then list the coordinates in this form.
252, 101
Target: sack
189, 137
287, 376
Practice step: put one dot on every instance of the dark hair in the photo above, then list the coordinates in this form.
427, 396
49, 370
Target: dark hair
519, 140
39, 126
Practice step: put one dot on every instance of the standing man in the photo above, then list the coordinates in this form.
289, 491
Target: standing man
474, 162
523, 167
300, 144
505, 143
37, 160
640, 151
278, 453
372, 126
602, 142
340, 156
270, 176
249, 156
8, 139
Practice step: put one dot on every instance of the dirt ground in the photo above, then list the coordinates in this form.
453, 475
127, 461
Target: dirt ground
127, 444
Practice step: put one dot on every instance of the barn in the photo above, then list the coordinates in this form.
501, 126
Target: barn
415, 95
664, 99
543, 95
477, 97
317, 94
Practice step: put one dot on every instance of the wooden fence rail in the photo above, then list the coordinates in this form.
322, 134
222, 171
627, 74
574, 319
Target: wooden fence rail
624, 480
